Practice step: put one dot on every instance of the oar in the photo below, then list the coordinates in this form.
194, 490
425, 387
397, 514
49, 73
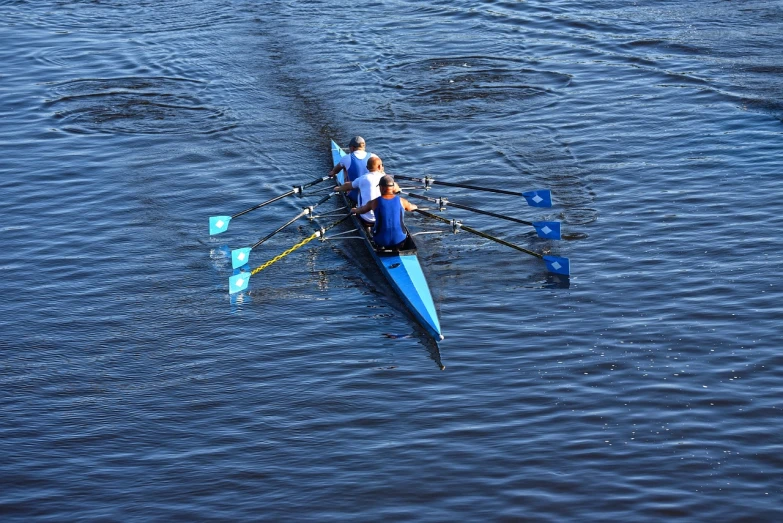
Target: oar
537, 198
548, 230
218, 224
240, 257
554, 264
238, 282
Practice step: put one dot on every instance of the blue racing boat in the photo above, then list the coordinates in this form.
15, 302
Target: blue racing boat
401, 268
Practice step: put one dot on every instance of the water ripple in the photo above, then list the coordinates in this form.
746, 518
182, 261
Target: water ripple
646, 387
135, 105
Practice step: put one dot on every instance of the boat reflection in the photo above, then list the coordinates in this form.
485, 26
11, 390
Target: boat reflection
432, 348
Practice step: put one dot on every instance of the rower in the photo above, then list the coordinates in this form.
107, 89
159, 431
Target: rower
367, 188
354, 163
389, 229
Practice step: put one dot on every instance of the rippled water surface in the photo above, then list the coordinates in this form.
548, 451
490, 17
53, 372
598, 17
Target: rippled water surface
645, 388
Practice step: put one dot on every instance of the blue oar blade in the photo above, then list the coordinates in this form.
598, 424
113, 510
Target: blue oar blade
538, 198
557, 265
238, 282
548, 230
218, 224
240, 257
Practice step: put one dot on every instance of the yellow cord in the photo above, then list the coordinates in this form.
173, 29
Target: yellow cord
286, 253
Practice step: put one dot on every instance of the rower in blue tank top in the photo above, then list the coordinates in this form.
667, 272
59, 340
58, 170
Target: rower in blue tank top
389, 229
354, 163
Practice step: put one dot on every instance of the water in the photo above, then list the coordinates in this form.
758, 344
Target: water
646, 388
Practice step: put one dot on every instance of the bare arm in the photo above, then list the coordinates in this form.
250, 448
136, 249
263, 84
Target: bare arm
367, 207
408, 206
347, 186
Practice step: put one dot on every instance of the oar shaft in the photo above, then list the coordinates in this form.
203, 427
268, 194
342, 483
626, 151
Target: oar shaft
304, 212
471, 209
314, 182
295, 190
482, 234
501, 241
460, 185
289, 222
273, 200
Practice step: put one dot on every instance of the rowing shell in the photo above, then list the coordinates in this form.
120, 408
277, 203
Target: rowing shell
401, 269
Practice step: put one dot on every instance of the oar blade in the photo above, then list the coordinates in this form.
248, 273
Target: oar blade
240, 257
238, 282
218, 224
538, 198
548, 230
557, 265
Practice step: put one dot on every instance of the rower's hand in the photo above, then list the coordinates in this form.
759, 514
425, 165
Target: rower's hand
336, 189
353, 210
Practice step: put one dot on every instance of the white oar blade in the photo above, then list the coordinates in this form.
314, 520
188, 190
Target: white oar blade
548, 230
238, 282
538, 198
218, 224
240, 257
557, 265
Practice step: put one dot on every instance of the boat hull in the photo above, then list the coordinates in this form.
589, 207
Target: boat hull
401, 269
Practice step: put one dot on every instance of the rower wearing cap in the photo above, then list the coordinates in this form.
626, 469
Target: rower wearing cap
366, 186
354, 163
389, 229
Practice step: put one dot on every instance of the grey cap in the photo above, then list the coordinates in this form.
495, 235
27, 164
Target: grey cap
356, 141
386, 181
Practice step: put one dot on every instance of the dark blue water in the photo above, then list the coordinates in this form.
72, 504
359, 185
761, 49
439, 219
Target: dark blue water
646, 388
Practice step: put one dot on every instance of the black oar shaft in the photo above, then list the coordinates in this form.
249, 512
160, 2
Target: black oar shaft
295, 190
482, 234
305, 211
460, 185
289, 193
471, 209
289, 222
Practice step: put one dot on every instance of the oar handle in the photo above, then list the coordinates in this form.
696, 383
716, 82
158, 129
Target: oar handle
322, 200
460, 185
482, 234
467, 208
314, 182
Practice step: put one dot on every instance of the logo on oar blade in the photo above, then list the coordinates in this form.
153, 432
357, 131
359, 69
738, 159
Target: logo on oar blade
557, 265
218, 224
238, 282
549, 230
539, 198
240, 257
